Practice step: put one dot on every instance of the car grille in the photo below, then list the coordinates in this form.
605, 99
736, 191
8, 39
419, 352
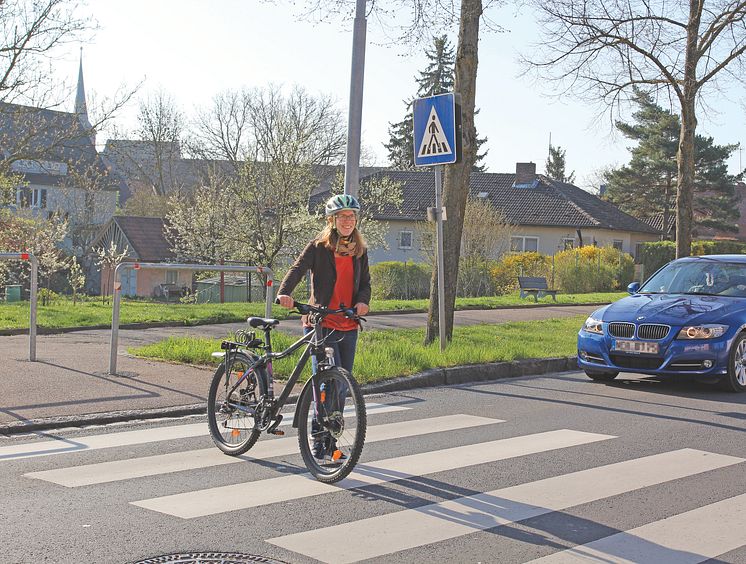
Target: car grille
640, 362
649, 331
624, 330
652, 331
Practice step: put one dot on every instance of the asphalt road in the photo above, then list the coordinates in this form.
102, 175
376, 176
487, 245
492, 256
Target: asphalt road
526, 468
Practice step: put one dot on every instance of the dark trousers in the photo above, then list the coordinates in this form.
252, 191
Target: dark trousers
344, 344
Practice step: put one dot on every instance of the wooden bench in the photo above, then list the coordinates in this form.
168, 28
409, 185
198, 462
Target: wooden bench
535, 286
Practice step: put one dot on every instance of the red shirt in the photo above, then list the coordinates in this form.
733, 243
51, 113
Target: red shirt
342, 295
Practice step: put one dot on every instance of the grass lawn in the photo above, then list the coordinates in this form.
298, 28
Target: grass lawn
94, 313
400, 352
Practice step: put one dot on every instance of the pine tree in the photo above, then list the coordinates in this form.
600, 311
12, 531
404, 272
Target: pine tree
437, 78
647, 185
555, 166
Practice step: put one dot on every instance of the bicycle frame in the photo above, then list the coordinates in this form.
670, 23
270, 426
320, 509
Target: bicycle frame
314, 341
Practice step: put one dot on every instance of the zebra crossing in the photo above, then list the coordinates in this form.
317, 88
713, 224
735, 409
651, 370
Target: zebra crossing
695, 535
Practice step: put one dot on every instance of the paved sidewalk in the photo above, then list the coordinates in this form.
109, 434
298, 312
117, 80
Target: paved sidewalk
69, 384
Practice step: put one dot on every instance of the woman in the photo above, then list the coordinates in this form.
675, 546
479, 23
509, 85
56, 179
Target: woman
338, 261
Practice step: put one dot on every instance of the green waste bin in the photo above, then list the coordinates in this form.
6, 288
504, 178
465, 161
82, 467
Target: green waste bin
12, 293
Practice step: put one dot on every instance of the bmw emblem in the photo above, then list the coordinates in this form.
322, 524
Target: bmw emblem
640, 318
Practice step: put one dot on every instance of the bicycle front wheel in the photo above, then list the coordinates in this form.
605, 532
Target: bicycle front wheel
331, 427
231, 408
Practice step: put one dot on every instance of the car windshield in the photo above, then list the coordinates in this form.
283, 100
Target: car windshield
708, 277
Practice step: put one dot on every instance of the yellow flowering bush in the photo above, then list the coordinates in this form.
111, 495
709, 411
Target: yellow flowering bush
507, 270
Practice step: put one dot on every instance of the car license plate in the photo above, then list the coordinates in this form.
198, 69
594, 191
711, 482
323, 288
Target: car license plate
643, 347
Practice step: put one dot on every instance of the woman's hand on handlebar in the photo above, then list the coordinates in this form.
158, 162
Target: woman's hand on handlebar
361, 308
285, 301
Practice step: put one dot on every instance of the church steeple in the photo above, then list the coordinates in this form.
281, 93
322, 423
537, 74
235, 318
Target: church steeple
80, 104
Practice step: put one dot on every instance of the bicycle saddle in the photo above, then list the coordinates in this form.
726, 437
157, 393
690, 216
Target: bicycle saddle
262, 322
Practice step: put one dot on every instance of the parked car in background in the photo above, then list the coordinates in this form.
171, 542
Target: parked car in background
689, 318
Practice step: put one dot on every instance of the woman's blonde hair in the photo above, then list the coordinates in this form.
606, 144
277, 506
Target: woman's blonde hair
329, 237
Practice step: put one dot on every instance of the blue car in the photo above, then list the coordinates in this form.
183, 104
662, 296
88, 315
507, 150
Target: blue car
689, 318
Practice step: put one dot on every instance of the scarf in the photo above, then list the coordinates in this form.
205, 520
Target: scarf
346, 246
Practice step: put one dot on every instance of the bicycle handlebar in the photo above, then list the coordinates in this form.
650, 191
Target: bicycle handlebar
306, 309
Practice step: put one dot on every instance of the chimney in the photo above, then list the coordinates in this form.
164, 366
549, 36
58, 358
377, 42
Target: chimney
525, 174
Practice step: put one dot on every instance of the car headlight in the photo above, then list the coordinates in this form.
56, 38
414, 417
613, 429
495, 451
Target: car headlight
593, 325
702, 332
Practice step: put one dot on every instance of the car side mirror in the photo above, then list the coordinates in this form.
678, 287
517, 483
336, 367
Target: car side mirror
633, 287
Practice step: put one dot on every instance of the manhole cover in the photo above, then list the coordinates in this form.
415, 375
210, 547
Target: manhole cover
209, 558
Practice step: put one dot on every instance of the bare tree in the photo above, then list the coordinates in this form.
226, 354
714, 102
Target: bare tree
222, 130
602, 50
30, 33
486, 237
161, 125
89, 200
31, 128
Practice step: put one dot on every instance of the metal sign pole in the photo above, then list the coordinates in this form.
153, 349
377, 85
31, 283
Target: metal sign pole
441, 267
117, 296
32, 314
355, 116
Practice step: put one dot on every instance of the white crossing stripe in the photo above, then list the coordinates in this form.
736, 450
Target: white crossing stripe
128, 438
253, 494
116, 470
687, 538
386, 534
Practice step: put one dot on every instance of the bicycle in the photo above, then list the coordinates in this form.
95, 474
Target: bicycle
330, 413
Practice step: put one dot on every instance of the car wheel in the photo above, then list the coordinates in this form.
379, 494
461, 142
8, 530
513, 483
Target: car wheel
601, 376
735, 380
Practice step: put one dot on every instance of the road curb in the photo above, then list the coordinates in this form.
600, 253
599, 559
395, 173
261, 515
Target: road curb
430, 378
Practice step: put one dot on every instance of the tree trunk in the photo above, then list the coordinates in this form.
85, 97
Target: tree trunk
456, 177
685, 186
685, 155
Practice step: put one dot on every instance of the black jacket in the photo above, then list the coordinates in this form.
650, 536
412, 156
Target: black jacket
320, 261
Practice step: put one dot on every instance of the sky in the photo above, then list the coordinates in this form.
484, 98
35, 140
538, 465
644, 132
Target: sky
193, 49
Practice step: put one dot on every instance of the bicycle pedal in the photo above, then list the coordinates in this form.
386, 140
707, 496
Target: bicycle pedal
278, 432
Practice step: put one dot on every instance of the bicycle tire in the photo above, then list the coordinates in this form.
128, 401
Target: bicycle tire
233, 430
347, 439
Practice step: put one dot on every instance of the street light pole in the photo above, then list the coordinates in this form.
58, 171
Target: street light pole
355, 115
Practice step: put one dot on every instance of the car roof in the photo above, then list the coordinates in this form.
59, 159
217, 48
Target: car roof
720, 258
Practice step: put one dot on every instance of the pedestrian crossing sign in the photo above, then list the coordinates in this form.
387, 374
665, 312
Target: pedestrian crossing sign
437, 130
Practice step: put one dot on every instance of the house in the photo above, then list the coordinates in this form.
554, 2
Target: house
548, 216
55, 155
144, 240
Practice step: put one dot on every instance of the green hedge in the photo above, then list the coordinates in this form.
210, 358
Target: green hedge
654, 255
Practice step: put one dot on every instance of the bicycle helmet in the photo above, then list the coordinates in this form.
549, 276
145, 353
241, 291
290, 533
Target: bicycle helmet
341, 202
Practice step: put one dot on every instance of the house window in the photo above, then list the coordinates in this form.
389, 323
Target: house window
618, 244
172, 276
32, 198
405, 239
568, 243
521, 244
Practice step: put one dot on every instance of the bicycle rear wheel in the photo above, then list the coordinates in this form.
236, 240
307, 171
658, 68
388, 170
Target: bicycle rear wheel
331, 428
230, 413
